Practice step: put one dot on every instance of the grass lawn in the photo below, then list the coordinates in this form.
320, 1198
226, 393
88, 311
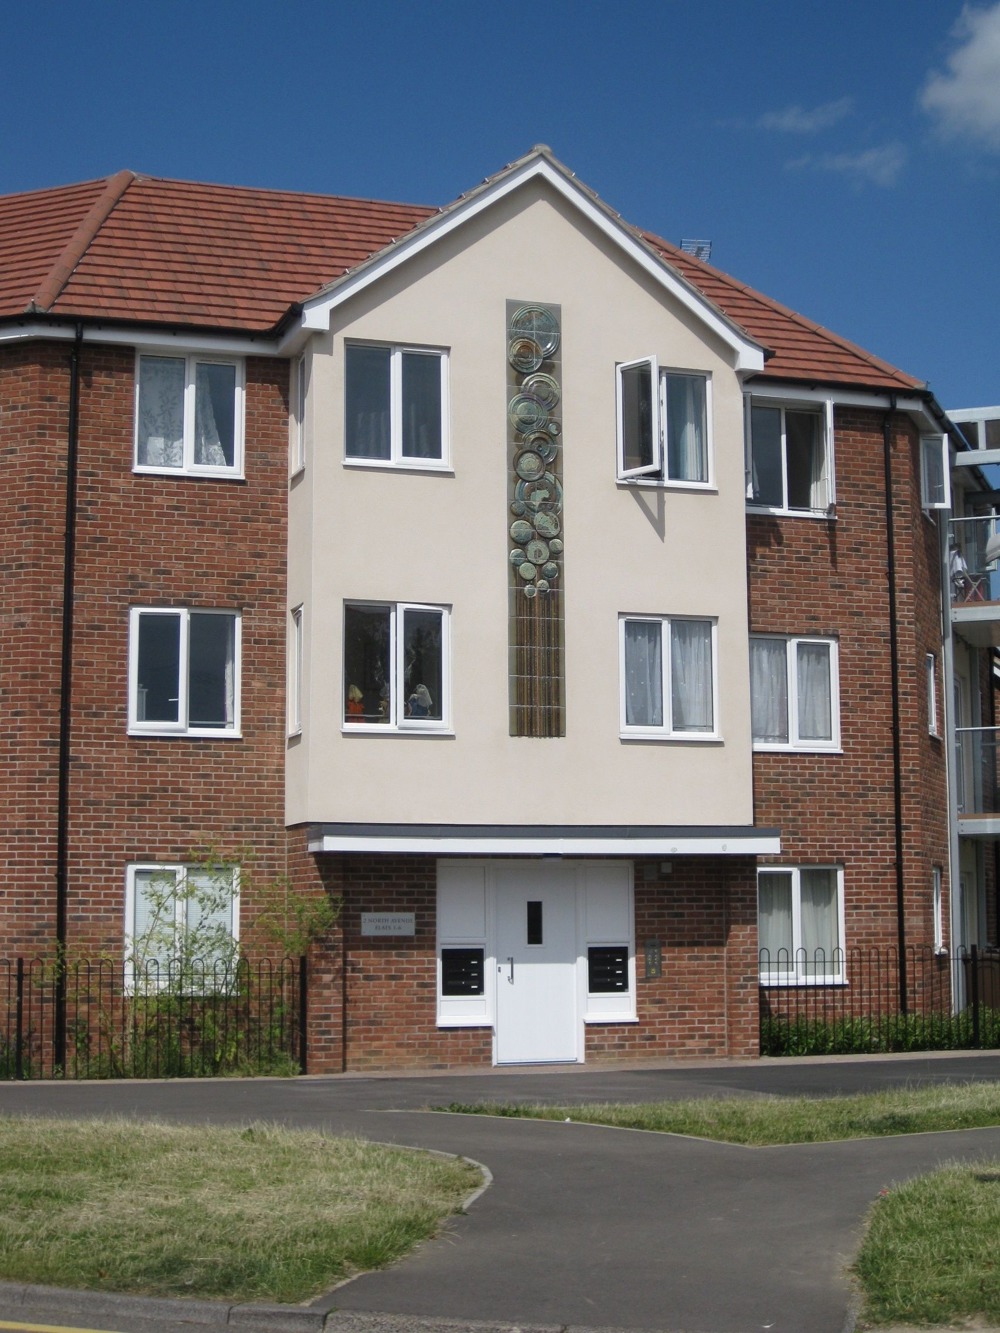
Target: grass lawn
930, 1253
258, 1213
760, 1121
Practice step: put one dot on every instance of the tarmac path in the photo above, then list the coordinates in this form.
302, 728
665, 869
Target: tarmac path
584, 1226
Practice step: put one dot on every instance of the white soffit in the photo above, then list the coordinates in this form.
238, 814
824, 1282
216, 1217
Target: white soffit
748, 355
762, 843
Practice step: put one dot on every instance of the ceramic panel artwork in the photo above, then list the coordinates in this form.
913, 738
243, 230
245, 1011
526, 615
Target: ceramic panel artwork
535, 520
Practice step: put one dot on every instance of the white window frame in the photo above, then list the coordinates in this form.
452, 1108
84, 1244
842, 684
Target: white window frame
930, 665
937, 908
397, 723
656, 471
297, 460
180, 871
666, 731
295, 668
188, 466
821, 407
396, 457
808, 745
935, 472
138, 726
796, 974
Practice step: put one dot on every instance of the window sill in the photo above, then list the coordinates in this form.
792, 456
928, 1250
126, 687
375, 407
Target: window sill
191, 474
829, 515
589, 1019
477, 1022
673, 737
383, 729
200, 734
660, 484
762, 747
393, 465
807, 983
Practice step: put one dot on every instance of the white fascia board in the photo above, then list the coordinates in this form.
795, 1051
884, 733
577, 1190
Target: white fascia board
786, 391
748, 355
157, 338
758, 845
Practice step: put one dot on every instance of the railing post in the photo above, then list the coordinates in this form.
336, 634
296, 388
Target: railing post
303, 1013
19, 1021
974, 971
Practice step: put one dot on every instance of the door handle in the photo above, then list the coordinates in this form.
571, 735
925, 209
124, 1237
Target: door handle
511, 976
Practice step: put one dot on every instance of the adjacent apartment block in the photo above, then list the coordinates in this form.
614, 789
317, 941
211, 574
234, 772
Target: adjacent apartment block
575, 616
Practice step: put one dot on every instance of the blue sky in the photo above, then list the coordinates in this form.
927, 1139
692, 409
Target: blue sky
844, 159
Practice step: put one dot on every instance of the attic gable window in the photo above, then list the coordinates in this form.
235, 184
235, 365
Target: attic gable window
663, 424
189, 415
395, 405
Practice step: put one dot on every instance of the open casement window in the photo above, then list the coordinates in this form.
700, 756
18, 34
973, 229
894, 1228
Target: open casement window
396, 666
800, 925
181, 929
184, 672
790, 457
663, 423
667, 677
395, 401
794, 693
935, 484
189, 415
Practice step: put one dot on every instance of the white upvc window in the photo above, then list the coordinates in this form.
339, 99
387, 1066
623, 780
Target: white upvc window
664, 424
396, 667
935, 479
181, 927
937, 908
930, 663
395, 405
800, 925
295, 665
297, 452
668, 677
184, 671
189, 415
794, 693
790, 456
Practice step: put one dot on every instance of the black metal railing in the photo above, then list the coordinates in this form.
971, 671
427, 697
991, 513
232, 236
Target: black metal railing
851, 1001
152, 1022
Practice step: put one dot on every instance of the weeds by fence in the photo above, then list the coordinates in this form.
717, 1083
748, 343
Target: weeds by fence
153, 1022
860, 1001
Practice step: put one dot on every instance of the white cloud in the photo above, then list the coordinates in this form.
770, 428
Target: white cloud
966, 98
799, 120
872, 166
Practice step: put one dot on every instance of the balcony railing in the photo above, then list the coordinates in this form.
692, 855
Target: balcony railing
974, 561
977, 777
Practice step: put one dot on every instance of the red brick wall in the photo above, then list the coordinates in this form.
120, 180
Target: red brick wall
810, 576
150, 541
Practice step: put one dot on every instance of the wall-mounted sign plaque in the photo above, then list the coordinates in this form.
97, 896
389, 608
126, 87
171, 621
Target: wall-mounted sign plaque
388, 923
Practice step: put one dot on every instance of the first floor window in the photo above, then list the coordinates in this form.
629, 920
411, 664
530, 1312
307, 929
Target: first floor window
937, 907
396, 665
668, 675
184, 671
789, 463
663, 423
189, 414
182, 927
394, 404
794, 693
930, 664
800, 924
295, 663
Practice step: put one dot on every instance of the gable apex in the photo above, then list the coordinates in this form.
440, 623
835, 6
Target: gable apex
538, 165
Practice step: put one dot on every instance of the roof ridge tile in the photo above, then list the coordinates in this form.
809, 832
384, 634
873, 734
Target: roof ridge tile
77, 245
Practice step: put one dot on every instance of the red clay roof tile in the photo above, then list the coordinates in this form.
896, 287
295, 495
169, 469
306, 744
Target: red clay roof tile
153, 251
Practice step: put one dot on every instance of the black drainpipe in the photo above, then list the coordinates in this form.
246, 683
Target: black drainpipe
897, 758
65, 708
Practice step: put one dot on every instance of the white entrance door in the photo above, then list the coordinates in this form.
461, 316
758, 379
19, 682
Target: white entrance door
536, 982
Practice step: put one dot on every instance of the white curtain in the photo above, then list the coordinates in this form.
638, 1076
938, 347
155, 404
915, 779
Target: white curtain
643, 673
814, 694
691, 675
769, 690
774, 920
161, 411
209, 450
686, 454
819, 922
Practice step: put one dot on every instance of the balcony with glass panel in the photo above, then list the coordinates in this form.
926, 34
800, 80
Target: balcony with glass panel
974, 578
977, 781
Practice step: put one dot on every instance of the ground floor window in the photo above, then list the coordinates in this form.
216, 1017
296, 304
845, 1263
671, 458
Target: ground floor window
800, 924
181, 926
